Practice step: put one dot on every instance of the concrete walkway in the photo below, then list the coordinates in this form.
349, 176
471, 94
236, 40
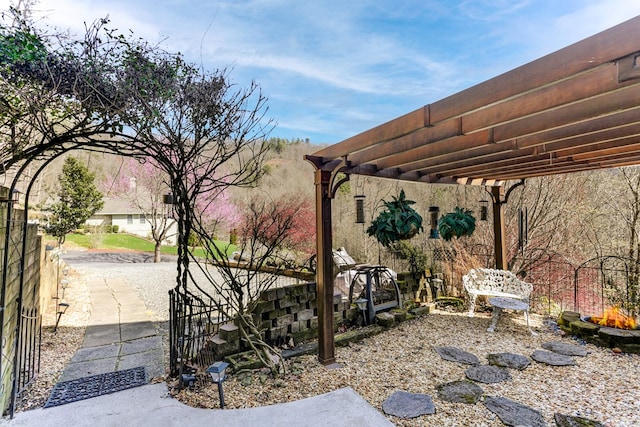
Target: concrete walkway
150, 406
120, 335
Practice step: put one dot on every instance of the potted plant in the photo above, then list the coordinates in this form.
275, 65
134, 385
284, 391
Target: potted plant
397, 221
458, 223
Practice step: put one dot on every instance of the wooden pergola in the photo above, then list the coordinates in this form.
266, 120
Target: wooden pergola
576, 109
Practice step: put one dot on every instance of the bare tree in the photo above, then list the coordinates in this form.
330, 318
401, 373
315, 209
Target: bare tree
202, 130
114, 93
268, 227
620, 206
552, 208
143, 185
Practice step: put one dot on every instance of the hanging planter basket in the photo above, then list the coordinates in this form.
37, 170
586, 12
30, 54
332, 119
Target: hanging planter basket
397, 221
458, 223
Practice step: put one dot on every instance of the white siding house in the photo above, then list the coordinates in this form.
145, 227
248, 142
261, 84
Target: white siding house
129, 219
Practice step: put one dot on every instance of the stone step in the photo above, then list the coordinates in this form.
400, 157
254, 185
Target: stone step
229, 332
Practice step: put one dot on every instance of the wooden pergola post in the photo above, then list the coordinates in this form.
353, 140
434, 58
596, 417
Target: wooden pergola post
324, 271
500, 199
499, 233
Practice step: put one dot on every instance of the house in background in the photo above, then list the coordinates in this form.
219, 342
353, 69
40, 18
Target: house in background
129, 219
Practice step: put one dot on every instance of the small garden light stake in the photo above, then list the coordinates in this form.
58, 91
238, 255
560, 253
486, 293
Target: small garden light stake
64, 283
62, 308
218, 375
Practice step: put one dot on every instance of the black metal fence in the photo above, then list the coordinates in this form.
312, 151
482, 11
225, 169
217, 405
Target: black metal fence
193, 321
559, 285
28, 351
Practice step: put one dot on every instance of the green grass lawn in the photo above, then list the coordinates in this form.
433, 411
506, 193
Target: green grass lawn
130, 242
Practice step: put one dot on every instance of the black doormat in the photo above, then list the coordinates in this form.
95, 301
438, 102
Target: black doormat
96, 385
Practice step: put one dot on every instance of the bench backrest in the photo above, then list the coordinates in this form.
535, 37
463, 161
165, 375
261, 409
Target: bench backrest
493, 280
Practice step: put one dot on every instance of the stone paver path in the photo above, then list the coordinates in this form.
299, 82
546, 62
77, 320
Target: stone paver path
408, 405
460, 392
119, 334
511, 413
551, 358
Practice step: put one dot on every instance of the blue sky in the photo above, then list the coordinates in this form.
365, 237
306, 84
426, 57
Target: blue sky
332, 69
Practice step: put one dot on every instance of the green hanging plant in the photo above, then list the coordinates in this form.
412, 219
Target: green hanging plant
458, 223
397, 221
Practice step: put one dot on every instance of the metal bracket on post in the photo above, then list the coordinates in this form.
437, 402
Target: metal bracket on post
333, 185
498, 222
497, 200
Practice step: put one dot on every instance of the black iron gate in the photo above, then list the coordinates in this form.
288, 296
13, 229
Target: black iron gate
28, 351
192, 323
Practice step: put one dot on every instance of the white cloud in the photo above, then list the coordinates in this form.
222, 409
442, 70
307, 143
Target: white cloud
73, 14
337, 67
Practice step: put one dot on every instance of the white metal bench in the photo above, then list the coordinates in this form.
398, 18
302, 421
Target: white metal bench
494, 283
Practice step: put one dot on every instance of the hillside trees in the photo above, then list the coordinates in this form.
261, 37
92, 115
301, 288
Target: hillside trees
79, 199
618, 206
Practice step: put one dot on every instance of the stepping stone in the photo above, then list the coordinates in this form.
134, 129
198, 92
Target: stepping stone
454, 354
514, 414
460, 392
565, 348
488, 374
551, 358
408, 405
571, 421
509, 360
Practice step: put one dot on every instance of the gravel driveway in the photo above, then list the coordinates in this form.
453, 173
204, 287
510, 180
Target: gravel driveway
152, 281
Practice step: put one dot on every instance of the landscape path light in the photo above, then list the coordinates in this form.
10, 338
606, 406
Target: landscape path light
64, 283
362, 305
218, 375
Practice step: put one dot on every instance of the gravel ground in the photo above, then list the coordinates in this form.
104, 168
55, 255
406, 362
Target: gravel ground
603, 386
